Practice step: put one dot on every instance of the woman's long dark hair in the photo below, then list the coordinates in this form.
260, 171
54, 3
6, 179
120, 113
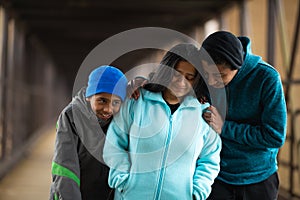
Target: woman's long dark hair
159, 80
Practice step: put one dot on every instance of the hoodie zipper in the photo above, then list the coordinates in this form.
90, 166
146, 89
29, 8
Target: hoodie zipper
163, 169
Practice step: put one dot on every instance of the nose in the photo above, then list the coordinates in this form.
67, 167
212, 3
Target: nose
181, 81
108, 108
211, 80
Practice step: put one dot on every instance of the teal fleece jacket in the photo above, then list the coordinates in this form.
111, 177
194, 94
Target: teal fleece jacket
255, 124
154, 154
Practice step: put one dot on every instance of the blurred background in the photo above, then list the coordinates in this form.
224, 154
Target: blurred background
44, 43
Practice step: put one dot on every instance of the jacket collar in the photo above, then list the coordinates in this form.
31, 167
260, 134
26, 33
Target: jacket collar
188, 101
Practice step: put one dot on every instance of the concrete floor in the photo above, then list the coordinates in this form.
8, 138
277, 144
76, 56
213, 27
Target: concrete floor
31, 178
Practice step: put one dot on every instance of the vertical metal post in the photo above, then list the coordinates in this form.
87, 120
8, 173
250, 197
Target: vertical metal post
11, 113
289, 77
271, 31
283, 34
19, 132
293, 57
3, 85
243, 18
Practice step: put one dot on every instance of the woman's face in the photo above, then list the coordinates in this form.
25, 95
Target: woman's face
183, 79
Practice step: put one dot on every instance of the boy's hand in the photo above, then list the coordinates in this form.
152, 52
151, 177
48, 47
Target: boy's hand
213, 118
134, 85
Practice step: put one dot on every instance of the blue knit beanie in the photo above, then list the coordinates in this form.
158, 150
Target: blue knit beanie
107, 79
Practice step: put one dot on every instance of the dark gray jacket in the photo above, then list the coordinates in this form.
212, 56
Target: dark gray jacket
78, 169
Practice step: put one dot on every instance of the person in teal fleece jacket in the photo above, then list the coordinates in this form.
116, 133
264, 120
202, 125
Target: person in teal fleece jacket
254, 125
159, 146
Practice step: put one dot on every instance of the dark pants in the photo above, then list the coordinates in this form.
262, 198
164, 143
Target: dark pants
265, 190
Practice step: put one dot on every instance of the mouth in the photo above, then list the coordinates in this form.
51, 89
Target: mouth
180, 88
218, 85
105, 116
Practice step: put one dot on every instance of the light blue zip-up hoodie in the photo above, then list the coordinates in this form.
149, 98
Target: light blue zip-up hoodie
154, 154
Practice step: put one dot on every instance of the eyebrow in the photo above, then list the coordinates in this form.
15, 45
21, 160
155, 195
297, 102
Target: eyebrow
191, 74
101, 98
108, 99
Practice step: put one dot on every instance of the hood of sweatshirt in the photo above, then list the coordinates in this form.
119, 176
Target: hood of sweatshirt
87, 125
250, 61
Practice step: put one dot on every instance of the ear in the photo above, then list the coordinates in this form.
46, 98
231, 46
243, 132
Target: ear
88, 99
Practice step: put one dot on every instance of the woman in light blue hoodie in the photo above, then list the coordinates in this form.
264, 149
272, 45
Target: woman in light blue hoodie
158, 146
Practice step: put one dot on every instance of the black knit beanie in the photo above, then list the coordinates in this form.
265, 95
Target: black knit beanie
225, 45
